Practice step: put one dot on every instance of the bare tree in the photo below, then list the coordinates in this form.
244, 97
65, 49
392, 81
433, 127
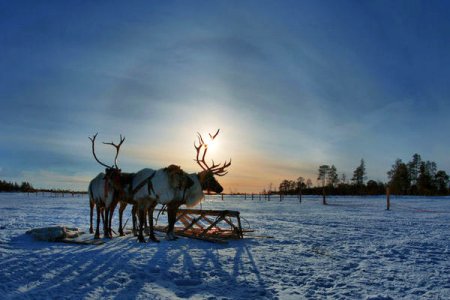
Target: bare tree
322, 177
300, 184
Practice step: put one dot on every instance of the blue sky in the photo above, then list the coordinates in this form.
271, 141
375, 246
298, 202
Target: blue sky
291, 84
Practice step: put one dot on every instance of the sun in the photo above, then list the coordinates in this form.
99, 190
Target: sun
213, 144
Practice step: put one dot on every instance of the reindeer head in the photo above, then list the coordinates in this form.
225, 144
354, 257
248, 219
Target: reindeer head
112, 173
206, 177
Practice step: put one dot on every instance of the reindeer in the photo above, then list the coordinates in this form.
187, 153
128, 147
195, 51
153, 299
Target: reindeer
104, 190
151, 187
108, 190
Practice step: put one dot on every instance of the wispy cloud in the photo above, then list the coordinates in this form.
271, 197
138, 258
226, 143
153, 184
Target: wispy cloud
291, 84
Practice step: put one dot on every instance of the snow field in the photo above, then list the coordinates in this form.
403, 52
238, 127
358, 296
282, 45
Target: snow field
350, 249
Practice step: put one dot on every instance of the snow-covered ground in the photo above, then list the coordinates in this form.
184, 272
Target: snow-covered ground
350, 249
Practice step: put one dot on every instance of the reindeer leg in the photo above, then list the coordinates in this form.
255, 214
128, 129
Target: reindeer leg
171, 216
133, 216
111, 214
91, 204
141, 238
106, 223
97, 231
102, 212
150, 220
122, 207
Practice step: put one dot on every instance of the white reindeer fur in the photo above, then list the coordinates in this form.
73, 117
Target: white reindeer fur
162, 192
194, 194
97, 191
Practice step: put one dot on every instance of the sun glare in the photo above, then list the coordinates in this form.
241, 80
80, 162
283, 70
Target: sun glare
213, 145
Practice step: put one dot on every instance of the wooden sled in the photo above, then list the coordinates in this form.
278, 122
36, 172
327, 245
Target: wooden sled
217, 226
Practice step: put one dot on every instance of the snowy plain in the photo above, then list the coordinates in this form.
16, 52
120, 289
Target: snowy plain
351, 249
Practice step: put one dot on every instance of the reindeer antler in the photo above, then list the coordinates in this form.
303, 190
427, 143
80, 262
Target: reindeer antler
93, 151
216, 169
122, 139
117, 149
214, 136
220, 171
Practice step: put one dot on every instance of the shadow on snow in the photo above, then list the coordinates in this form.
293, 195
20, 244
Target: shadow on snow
123, 268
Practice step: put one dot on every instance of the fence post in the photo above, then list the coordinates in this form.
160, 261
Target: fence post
388, 200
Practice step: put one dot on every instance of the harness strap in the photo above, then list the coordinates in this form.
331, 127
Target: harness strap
147, 182
184, 195
150, 184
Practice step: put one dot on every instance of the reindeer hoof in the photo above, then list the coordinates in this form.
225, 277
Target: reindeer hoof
97, 236
141, 240
91, 231
171, 237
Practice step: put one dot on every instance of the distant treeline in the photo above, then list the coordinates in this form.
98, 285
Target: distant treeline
26, 187
416, 177
15, 187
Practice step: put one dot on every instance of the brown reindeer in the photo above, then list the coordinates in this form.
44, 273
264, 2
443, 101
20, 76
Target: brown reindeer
104, 190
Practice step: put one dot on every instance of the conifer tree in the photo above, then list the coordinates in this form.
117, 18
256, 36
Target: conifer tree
442, 180
359, 175
399, 182
414, 168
